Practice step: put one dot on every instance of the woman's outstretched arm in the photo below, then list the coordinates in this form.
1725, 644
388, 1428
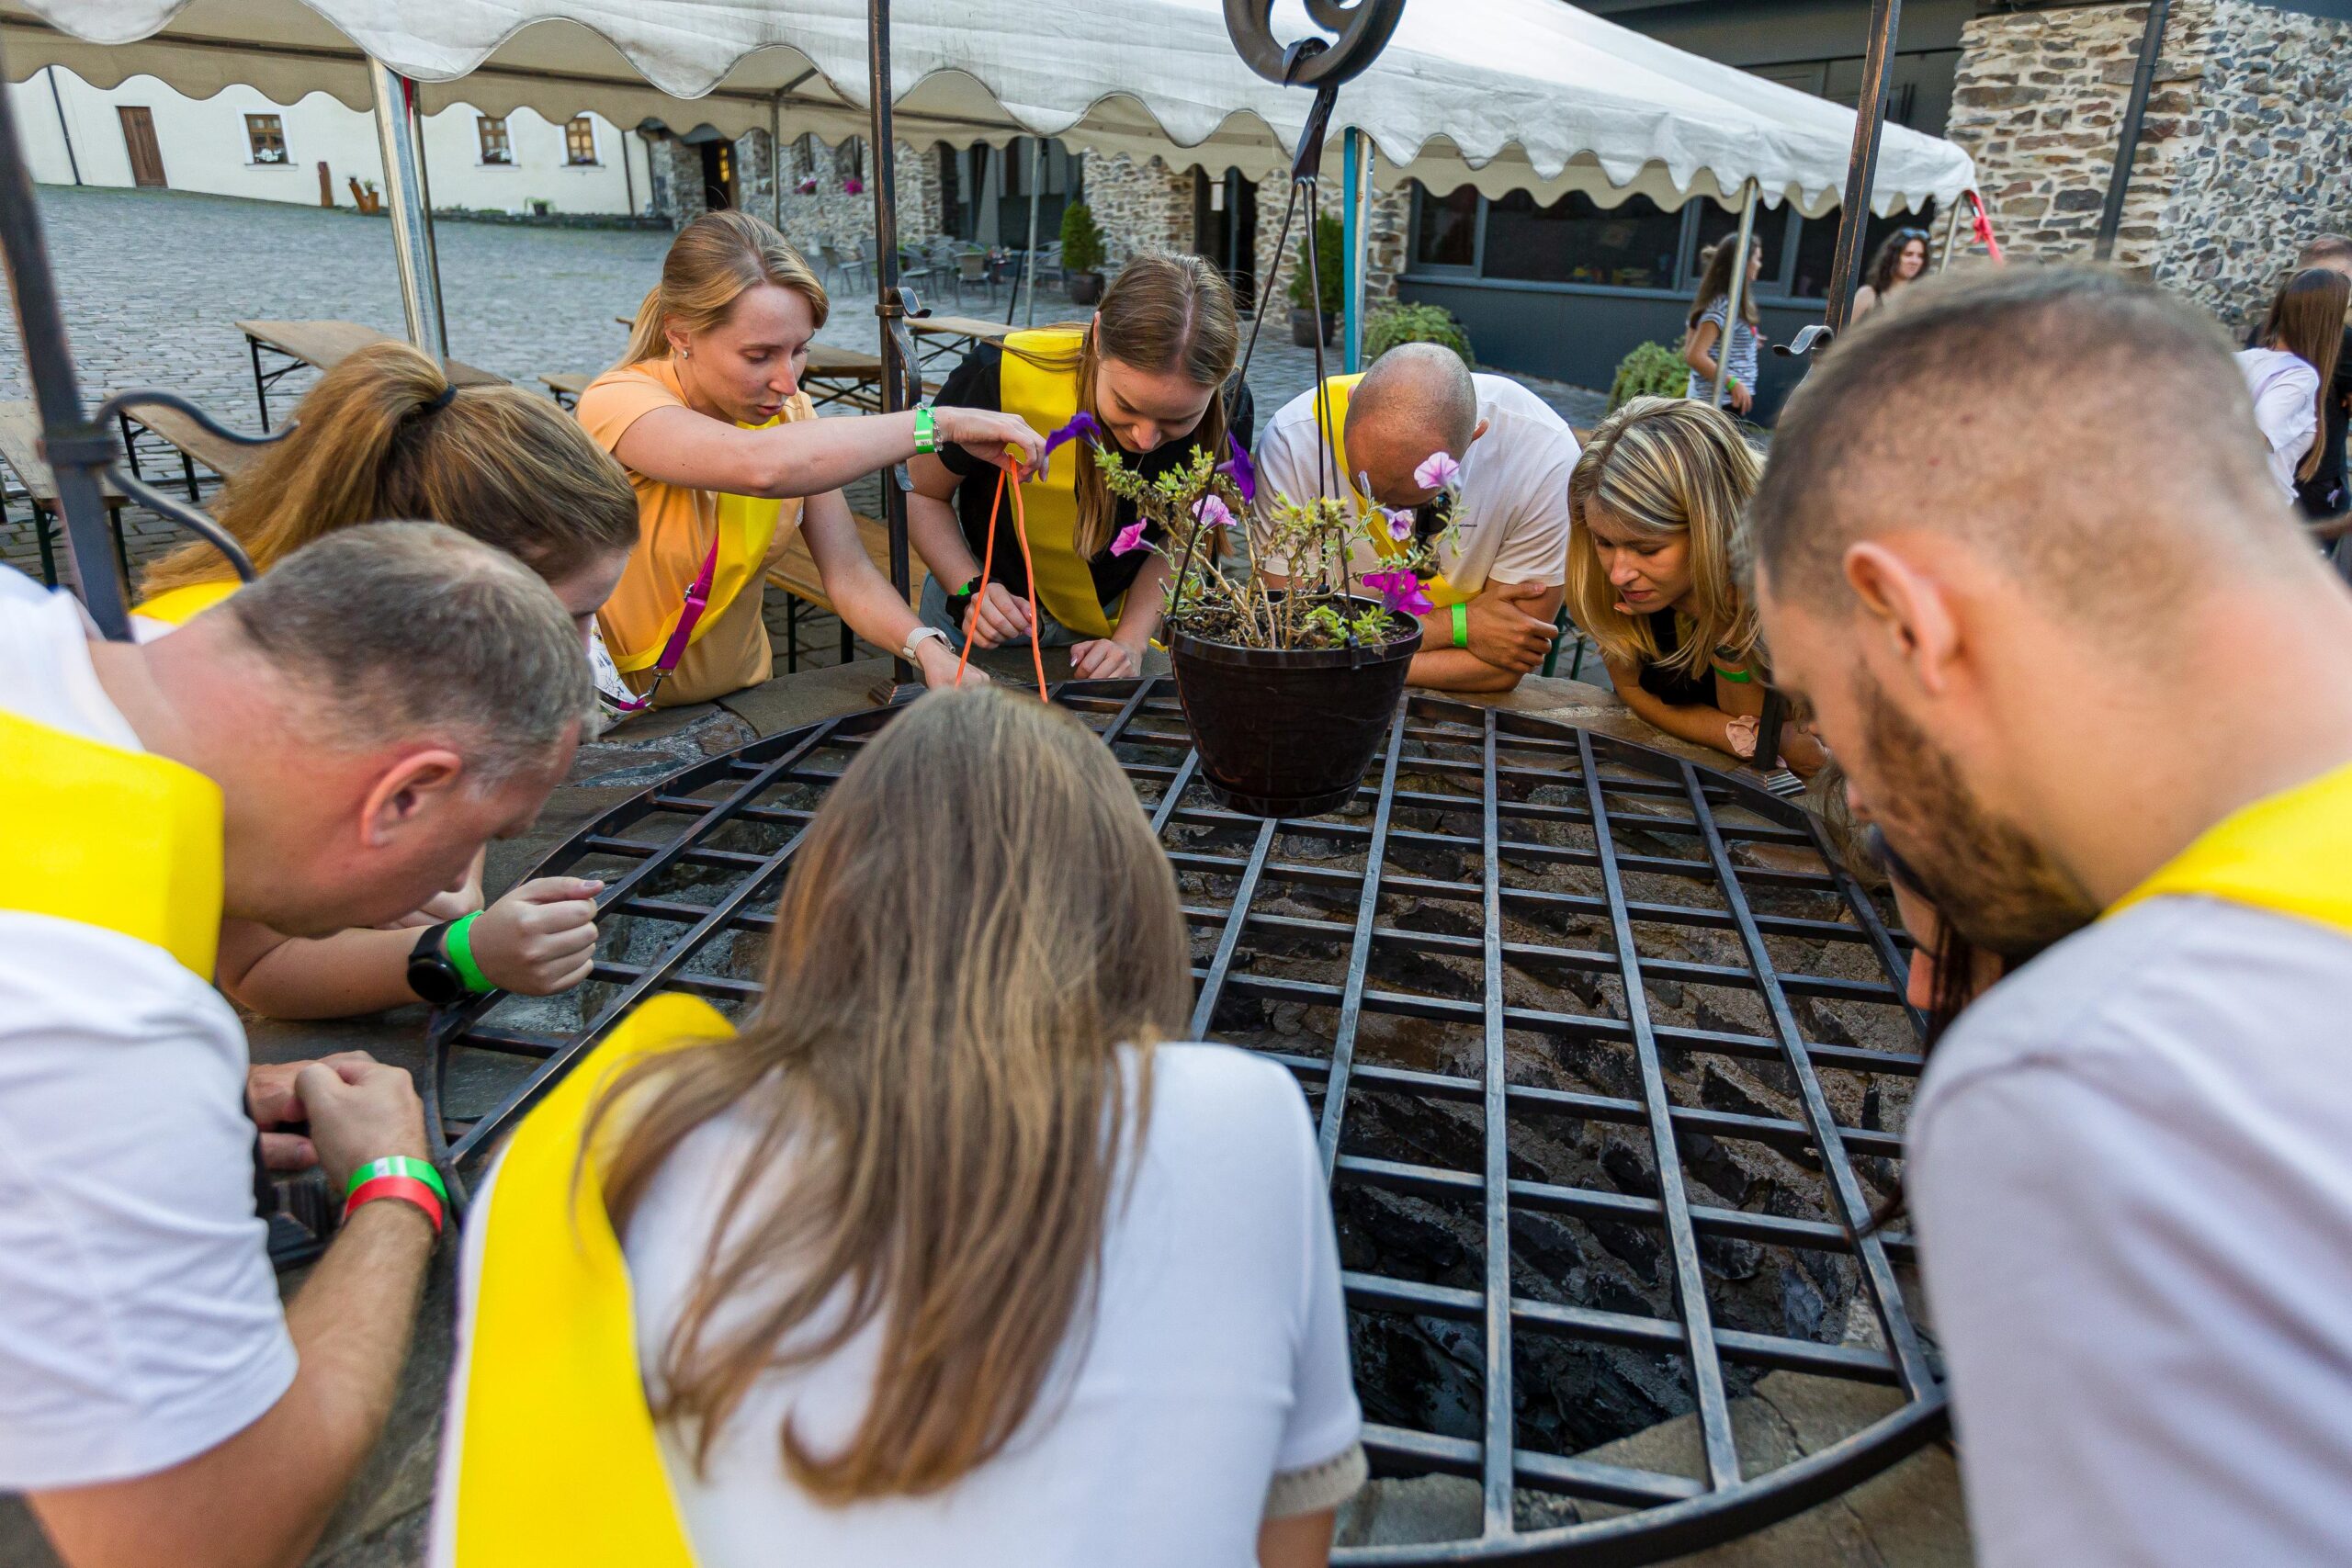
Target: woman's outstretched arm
679, 446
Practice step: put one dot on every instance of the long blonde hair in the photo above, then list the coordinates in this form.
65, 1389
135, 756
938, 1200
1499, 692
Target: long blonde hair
1163, 313
383, 437
1663, 467
979, 918
711, 262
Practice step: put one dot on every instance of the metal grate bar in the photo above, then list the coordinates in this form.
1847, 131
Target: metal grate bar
1854, 1209
1396, 1448
1175, 792
1212, 981
550, 1071
1343, 1039
1881, 940
1690, 1285
1501, 1432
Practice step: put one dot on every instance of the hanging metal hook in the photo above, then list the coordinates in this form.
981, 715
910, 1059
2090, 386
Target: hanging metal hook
1363, 28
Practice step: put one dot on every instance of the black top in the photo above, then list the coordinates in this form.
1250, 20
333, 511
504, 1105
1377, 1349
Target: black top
1674, 685
979, 383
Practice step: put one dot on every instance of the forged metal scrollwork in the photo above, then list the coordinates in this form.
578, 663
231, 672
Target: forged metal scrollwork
1363, 28
147, 495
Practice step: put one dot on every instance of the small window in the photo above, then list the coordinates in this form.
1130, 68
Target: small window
580, 141
266, 134
1447, 234
1718, 223
495, 149
1634, 244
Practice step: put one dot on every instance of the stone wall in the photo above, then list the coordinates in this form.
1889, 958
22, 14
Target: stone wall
827, 215
1139, 206
1392, 217
2243, 155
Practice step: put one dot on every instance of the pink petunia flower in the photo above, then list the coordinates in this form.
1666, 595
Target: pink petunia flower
1212, 512
1400, 523
1399, 591
1438, 471
1128, 540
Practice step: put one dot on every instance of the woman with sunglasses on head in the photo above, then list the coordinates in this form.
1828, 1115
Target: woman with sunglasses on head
954, 1252
1655, 502
1902, 258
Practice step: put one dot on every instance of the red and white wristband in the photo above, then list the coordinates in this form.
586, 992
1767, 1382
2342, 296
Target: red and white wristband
411, 1180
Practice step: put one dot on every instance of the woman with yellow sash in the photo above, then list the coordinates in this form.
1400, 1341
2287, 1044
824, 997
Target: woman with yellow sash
1154, 370
955, 1253
728, 458
386, 435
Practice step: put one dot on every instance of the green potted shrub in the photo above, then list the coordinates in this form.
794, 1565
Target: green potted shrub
1328, 241
1652, 370
1081, 253
1397, 322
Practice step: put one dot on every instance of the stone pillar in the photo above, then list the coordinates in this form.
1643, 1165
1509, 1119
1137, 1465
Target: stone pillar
919, 193
677, 179
755, 173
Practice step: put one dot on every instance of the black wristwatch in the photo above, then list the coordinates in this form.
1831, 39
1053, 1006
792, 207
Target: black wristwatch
431, 974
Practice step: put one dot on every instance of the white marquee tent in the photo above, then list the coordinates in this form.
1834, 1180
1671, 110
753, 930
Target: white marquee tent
1506, 94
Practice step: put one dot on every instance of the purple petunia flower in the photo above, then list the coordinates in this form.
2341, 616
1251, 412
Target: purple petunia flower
1438, 471
1239, 470
1399, 591
1128, 540
1400, 523
1211, 513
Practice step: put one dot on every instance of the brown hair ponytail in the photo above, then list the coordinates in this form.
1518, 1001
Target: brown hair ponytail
1163, 313
385, 436
2306, 318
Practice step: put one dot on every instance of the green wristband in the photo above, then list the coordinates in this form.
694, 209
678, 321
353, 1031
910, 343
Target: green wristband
926, 430
397, 1165
1462, 625
458, 943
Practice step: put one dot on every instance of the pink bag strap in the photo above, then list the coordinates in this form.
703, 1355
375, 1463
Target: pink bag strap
690, 616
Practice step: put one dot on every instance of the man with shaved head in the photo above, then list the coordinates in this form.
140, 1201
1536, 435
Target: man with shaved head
2017, 546
1502, 570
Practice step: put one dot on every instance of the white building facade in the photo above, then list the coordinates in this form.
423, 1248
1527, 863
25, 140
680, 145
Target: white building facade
239, 143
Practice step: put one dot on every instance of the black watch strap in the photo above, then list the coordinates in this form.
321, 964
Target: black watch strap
431, 974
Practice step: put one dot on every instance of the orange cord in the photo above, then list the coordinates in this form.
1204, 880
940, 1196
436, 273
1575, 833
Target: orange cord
988, 563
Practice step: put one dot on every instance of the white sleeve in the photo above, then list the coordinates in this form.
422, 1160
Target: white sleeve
1282, 470
1324, 1420
139, 1320
1535, 547
2288, 410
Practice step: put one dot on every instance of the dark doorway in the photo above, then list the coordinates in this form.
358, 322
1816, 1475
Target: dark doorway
1225, 229
718, 176
146, 157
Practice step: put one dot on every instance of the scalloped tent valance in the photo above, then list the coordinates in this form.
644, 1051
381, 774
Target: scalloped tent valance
1506, 94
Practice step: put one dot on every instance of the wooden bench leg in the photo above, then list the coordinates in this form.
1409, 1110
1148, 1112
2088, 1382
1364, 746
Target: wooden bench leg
792, 634
849, 643
48, 543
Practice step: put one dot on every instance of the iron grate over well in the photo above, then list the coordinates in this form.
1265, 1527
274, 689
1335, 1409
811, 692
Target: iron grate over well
1610, 1057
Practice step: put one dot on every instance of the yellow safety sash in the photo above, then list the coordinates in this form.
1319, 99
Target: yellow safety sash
180, 606
1062, 581
558, 1463
747, 526
2289, 853
1335, 393
123, 841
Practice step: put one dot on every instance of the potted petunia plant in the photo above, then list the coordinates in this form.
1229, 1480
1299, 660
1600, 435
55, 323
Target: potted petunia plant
1289, 681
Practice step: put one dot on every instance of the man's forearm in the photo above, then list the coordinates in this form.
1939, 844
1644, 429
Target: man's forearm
1457, 669
333, 976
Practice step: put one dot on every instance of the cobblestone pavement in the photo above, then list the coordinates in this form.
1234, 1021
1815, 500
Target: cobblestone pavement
154, 283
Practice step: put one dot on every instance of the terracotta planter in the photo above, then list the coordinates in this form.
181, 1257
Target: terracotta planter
1289, 732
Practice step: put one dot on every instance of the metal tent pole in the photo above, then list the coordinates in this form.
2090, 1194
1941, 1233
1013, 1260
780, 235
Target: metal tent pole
63, 129
1029, 258
1733, 301
404, 199
1952, 232
1861, 165
2119, 183
1353, 240
425, 204
901, 389
76, 447
776, 161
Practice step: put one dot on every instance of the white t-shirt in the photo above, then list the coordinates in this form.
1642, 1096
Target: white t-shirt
1513, 521
139, 1322
1218, 1358
2131, 1171
2286, 407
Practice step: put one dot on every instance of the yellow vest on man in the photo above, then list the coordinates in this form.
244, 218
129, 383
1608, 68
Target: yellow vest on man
1334, 409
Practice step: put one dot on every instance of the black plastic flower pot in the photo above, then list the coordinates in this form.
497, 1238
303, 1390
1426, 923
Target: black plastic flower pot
1289, 732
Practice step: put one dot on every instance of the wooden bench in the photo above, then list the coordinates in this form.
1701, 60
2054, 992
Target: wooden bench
795, 571
191, 441
324, 345
565, 385
20, 454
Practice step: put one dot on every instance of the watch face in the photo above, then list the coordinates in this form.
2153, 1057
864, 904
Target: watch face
431, 974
